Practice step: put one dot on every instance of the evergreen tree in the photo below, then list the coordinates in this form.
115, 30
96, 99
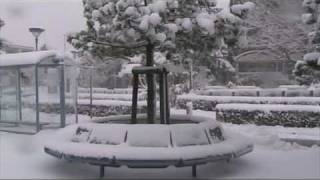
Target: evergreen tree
307, 70
151, 25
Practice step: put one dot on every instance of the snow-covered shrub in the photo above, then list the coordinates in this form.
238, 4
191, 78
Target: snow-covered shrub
116, 97
308, 18
289, 91
270, 115
209, 103
306, 71
98, 110
228, 92
271, 92
107, 110
109, 91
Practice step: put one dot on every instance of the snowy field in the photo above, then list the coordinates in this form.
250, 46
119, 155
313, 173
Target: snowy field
22, 156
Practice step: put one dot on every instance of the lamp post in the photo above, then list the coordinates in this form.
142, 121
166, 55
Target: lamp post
36, 33
1, 23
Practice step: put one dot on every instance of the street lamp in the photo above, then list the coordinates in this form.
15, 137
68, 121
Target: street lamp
36, 33
1, 23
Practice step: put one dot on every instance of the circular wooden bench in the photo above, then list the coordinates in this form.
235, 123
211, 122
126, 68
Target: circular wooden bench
147, 145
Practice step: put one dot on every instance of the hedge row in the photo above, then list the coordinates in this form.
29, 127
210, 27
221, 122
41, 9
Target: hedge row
260, 92
97, 110
108, 91
283, 115
101, 111
209, 103
118, 97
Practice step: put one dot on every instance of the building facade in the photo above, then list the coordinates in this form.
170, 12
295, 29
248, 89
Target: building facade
265, 68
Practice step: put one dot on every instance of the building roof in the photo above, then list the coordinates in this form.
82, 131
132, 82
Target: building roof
10, 47
259, 56
28, 58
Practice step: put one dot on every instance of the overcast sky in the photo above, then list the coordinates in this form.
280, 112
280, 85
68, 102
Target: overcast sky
57, 17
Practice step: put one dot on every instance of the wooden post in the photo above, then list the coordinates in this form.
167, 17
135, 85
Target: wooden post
162, 99
91, 92
194, 170
258, 93
134, 98
151, 101
38, 128
62, 98
311, 93
167, 106
101, 171
164, 103
19, 94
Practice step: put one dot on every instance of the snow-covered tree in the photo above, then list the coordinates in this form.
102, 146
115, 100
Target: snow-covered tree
275, 26
270, 28
307, 70
150, 25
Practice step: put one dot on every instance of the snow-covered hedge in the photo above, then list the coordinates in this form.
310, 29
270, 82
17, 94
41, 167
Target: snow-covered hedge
272, 92
270, 115
103, 96
99, 109
109, 91
107, 110
209, 103
227, 92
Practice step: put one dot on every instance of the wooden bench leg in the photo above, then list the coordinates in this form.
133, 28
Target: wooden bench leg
194, 171
101, 171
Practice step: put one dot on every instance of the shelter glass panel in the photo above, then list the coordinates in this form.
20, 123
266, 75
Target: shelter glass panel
28, 95
8, 96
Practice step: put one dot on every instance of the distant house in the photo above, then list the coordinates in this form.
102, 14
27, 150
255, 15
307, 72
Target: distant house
267, 67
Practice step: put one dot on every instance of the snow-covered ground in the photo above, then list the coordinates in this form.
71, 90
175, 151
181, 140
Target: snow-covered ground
22, 156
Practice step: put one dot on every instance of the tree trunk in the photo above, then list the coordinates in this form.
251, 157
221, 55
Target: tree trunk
151, 101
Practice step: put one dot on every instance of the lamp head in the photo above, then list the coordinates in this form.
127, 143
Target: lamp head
36, 31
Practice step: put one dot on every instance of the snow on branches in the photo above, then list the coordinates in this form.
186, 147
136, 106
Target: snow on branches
307, 71
117, 22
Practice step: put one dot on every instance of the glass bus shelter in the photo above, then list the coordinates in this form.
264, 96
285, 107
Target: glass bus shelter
37, 90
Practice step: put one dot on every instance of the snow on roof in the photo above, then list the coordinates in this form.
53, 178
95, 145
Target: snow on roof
28, 58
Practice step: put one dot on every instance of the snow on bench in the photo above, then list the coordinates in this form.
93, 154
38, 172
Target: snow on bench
147, 145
